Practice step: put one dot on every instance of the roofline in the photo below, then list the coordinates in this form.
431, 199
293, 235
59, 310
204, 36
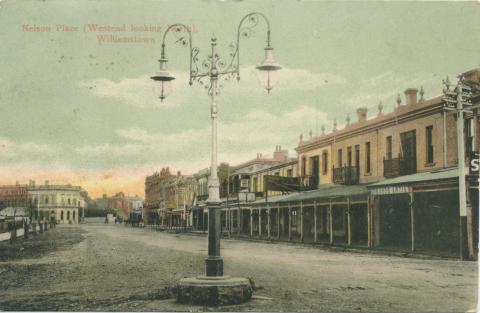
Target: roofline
394, 118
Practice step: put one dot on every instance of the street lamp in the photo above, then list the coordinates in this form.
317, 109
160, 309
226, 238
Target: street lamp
207, 74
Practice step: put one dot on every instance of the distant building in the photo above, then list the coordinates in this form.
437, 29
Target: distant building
119, 203
13, 195
62, 203
135, 204
155, 195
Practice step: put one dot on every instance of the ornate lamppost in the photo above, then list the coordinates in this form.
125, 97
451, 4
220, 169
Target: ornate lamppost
207, 74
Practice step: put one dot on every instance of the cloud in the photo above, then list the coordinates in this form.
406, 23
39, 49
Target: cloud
9, 149
140, 91
257, 131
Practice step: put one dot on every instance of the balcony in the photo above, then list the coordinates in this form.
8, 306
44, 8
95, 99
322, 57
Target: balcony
399, 166
347, 175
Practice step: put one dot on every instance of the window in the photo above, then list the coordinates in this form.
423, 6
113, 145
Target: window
289, 172
349, 156
367, 158
388, 148
325, 162
304, 166
429, 142
339, 157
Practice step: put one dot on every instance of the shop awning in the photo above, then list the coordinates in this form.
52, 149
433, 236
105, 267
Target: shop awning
324, 192
417, 178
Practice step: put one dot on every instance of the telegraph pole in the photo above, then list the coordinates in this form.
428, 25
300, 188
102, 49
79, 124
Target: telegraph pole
456, 100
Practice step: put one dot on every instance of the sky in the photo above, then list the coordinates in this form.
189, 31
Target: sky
80, 111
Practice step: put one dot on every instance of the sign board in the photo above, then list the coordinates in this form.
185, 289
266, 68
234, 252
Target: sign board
474, 166
246, 197
280, 183
390, 190
474, 170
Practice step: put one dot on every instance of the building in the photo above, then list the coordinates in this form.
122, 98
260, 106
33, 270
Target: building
168, 198
154, 195
389, 181
135, 204
13, 195
61, 203
119, 203
199, 212
244, 183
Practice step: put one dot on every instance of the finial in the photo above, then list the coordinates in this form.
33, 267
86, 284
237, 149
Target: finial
323, 129
310, 133
422, 92
335, 124
399, 100
301, 137
348, 119
446, 82
380, 108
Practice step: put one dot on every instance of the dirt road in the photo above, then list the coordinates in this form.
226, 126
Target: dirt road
97, 267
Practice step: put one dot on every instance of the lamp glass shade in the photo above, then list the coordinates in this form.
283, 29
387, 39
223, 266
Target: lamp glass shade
162, 80
267, 70
162, 88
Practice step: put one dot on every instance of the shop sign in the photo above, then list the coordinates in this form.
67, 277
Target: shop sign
474, 163
390, 190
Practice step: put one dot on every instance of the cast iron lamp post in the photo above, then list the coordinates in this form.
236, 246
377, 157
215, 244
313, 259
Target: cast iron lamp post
208, 74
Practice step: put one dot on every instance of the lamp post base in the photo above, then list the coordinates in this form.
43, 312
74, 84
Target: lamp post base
214, 266
213, 291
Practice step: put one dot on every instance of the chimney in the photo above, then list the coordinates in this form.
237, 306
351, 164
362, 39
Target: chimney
46, 183
179, 173
362, 114
279, 154
411, 96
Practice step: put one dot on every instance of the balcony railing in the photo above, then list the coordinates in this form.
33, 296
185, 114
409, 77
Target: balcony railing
399, 166
347, 175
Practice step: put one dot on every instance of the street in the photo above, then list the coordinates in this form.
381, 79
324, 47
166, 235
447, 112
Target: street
97, 267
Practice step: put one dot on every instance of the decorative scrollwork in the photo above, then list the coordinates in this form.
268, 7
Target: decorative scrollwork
248, 30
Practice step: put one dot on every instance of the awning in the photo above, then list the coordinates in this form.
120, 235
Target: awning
417, 178
324, 192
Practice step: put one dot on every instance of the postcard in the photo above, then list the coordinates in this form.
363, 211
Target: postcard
239, 155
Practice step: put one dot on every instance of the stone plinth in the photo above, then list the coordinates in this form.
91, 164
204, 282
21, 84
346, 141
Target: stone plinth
220, 290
